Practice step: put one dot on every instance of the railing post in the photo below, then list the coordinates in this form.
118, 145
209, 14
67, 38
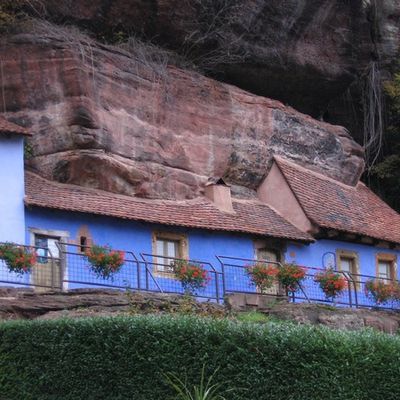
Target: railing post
223, 276
138, 273
63, 263
216, 286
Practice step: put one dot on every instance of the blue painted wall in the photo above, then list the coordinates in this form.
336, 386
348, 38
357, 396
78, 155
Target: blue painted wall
137, 237
12, 220
202, 245
312, 255
12, 223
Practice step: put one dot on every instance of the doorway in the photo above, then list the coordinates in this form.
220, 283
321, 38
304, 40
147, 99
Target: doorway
265, 254
47, 274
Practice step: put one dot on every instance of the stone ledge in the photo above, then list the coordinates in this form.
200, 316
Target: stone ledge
316, 314
26, 304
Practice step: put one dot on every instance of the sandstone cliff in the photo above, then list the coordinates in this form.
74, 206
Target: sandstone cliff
106, 118
306, 53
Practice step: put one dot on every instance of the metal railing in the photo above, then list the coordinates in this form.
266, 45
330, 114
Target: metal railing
44, 275
364, 300
315, 293
234, 276
71, 270
163, 275
78, 274
236, 280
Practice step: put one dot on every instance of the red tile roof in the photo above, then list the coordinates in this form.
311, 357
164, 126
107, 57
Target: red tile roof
252, 217
10, 127
332, 204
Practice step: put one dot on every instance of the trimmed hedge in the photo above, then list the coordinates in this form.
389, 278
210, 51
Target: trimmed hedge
126, 358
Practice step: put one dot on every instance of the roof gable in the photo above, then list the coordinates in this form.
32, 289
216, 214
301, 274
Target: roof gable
332, 204
276, 192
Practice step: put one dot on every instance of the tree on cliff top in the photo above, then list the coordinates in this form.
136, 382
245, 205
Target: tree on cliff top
385, 178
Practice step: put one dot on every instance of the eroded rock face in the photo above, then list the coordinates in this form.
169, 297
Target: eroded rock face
315, 314
302, 52
79, 303
102, 118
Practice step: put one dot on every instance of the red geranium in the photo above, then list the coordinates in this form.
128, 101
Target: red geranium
192, 276
290, 276
19, 259
262, 275
380, 292
332, 283
104, 261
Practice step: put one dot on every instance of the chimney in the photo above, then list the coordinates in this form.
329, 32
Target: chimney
220, 194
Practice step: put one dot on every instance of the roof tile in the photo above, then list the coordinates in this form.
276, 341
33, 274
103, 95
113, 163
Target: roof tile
332, 204
252, 217
10, 127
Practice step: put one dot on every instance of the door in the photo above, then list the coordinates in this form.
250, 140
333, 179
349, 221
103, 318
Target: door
47, 273
266, 254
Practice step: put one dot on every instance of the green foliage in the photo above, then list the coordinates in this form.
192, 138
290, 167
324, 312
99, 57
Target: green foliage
10, 13
380, 292
290, 276
28, 150
104, 261
392, 89
128, 357
206, 390
192, 276
332, 283
385, 177
252, 317
262, 275
17, 258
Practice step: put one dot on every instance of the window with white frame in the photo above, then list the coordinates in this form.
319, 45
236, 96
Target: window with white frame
386, 266
167, 247
347, 262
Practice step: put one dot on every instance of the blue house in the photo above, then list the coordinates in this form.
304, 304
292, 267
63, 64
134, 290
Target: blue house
299, 216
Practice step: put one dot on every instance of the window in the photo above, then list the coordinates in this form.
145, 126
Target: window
268, 250
166, 248
84, 239
386, 266
347, 261
347, 265
83, 243
267, 254
48, 273
47, 247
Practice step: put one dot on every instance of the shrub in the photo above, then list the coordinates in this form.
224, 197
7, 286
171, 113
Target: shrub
261, 275
191, 275
379, 291
127, 358
19, 259
332, 283
255, 317
205, 390
104, 261
290, 276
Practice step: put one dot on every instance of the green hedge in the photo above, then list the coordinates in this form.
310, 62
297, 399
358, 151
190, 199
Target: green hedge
125, 358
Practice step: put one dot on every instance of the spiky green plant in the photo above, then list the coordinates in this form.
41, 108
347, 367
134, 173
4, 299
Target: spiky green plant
206, 390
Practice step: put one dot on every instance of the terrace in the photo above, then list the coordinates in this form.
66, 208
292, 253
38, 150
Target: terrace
152, 273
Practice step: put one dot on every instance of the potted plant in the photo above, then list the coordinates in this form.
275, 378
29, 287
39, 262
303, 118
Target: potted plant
379, 291
332, 283
18, 259
290, 276
262, 275
104, 261
192, 276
